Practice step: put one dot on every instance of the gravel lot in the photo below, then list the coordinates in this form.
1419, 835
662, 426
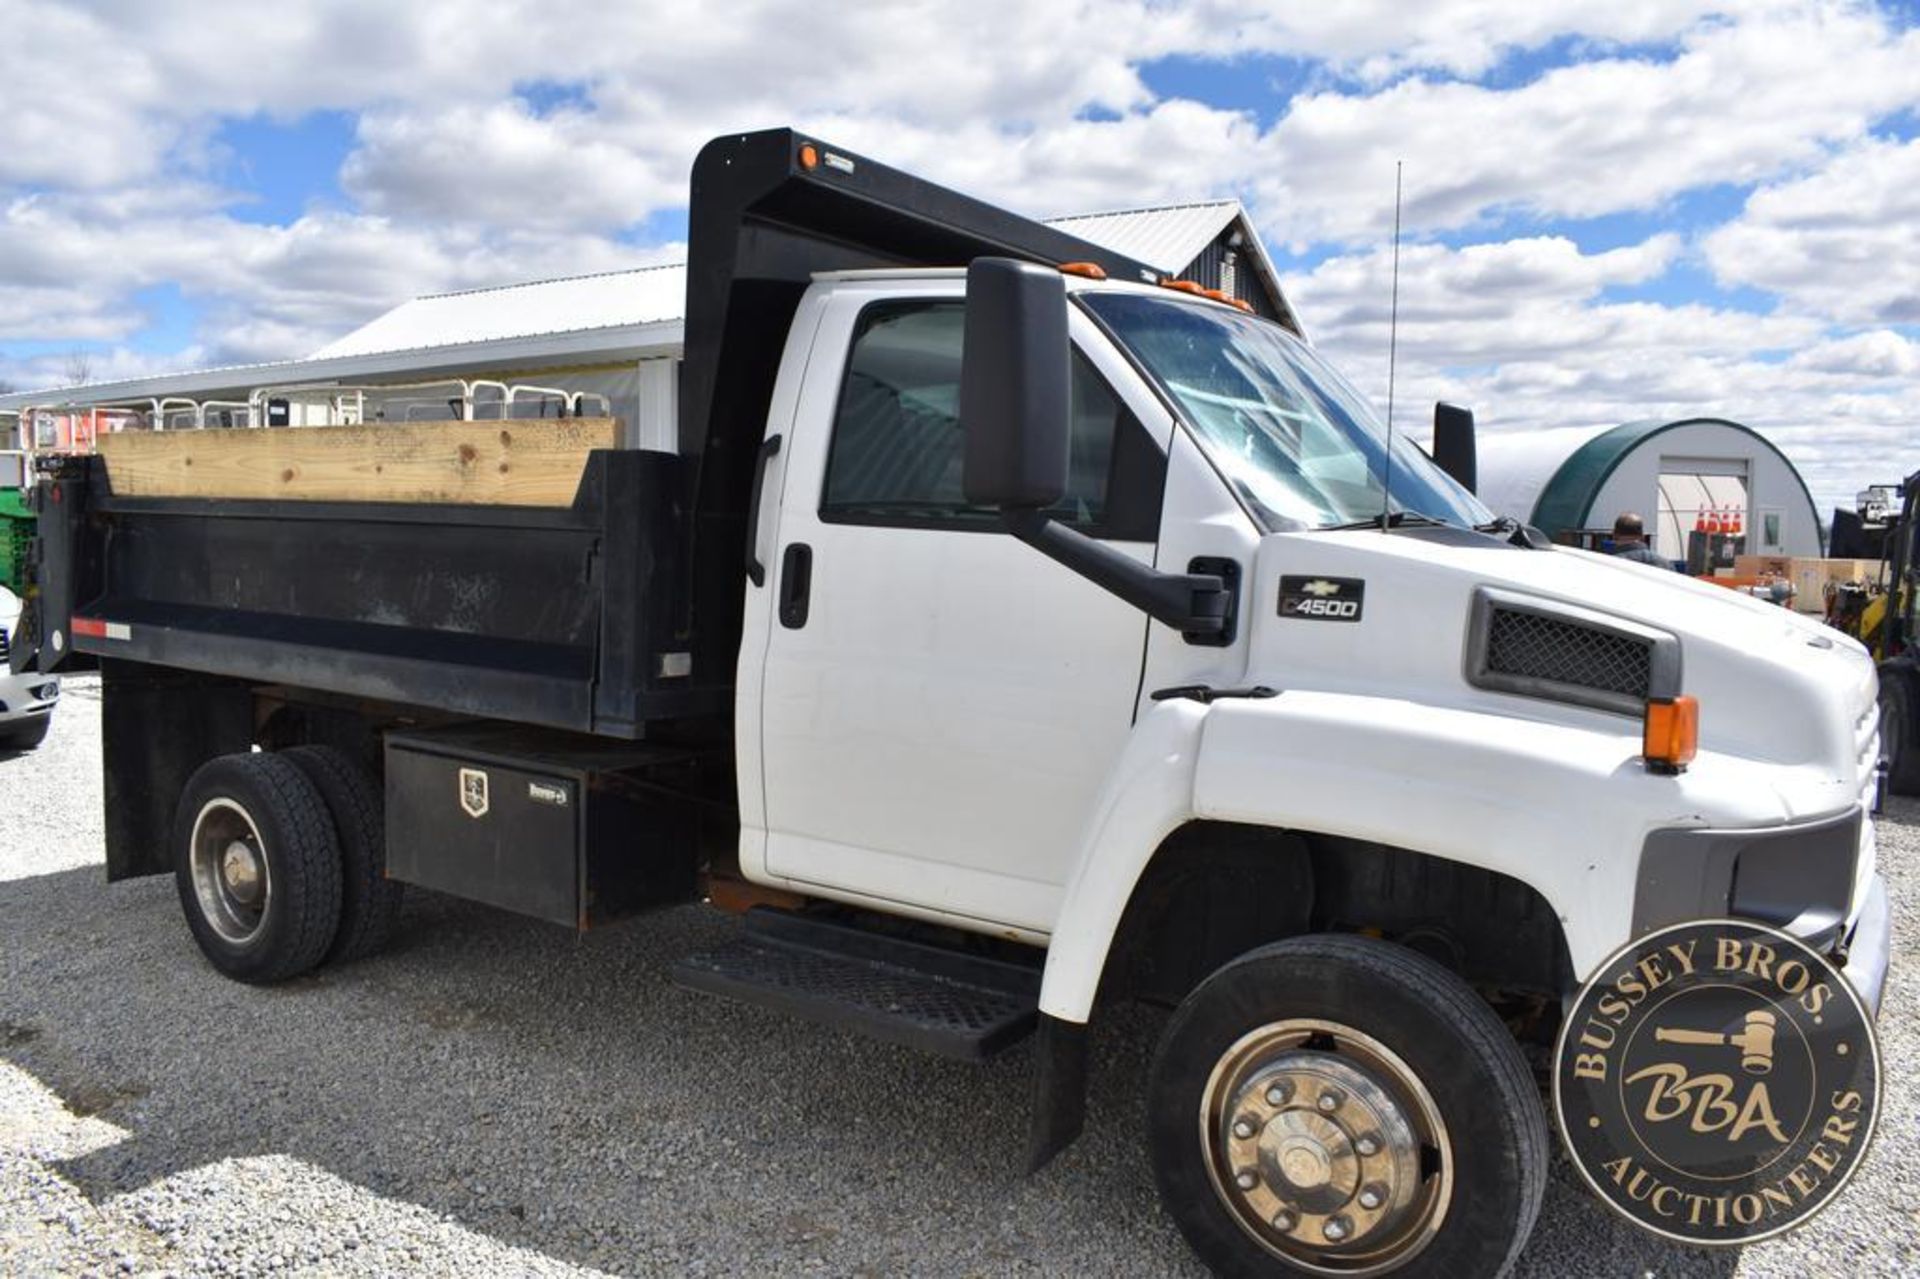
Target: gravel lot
494, 1095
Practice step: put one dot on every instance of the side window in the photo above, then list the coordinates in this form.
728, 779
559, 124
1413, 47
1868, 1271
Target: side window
896, 449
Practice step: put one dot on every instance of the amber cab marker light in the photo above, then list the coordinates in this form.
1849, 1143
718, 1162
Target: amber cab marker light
1088, 270
809, 157
1185, 286
1671, 737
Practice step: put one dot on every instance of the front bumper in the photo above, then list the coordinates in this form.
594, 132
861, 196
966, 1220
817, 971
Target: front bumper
1800, 879
1866, 950
22, 696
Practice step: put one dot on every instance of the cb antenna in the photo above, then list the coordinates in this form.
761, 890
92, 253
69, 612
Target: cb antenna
1393, 350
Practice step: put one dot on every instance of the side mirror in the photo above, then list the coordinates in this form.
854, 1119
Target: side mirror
1013, 385
1453, 448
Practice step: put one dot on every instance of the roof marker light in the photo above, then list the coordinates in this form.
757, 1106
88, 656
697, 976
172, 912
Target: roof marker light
809, 156
1086, 270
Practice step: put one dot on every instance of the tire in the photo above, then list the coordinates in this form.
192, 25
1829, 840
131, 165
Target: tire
25, 736
257, 866
1896, 736
369, 901
1347, 1021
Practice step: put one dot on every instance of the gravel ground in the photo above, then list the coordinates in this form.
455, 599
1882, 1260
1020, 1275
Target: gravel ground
495, 1096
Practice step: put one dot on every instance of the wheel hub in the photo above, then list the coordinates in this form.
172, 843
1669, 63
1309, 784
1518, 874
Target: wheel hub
232, 881
1327, 1148
240, 873
1304, 1152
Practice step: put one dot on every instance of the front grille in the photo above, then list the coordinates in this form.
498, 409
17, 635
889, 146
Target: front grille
1537, 647
4, 650
1546, 648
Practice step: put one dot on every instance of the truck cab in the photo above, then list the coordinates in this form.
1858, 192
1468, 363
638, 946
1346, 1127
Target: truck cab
1016, 631
1435, 684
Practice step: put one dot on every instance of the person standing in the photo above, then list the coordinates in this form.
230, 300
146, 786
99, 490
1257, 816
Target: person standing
1630, 541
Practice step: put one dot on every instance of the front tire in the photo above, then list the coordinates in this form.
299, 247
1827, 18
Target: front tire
257, 866
1335, 1105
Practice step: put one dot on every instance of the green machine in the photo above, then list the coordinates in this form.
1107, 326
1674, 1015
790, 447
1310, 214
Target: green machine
16, 521
16, 530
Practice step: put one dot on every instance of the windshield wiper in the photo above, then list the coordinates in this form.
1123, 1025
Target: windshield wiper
1395, 519
1521, 535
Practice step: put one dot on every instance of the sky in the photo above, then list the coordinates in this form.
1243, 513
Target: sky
1614, 209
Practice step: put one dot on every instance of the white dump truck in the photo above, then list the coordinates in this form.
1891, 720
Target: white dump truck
1014, 631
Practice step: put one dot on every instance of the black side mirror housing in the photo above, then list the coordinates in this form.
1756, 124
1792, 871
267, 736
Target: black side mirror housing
1453, 446
1013, 385
1014, 417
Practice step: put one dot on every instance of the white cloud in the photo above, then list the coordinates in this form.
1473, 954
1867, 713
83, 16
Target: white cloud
1519, 331
1740, 103
109, 180
1843, 241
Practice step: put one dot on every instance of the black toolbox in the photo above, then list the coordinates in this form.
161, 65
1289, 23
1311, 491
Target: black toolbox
553, 825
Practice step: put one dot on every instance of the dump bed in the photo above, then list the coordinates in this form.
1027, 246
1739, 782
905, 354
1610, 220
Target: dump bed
514, 570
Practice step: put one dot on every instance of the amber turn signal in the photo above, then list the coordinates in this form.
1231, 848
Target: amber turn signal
1671, 737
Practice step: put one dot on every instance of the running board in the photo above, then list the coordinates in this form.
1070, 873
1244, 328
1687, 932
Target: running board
926, 997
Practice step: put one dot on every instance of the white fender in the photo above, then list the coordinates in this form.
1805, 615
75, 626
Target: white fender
1148, 797
1563, 808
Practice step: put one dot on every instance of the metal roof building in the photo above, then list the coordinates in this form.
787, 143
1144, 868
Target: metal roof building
1572, 482
1212, 244
523, 349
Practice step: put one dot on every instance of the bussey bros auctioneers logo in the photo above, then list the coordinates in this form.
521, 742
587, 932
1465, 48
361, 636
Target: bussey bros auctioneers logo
1717, 1082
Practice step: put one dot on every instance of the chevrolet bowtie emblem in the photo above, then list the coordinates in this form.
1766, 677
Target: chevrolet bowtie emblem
1322, 587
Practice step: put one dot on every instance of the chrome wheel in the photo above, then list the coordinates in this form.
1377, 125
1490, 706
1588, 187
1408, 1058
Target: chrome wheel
1326, 1148
229, 868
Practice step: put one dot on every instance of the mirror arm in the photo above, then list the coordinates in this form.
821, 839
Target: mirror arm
1193, 603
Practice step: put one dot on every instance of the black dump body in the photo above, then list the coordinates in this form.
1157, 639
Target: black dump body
617, 612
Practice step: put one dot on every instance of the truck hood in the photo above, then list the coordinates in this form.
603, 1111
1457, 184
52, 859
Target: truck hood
1774, 687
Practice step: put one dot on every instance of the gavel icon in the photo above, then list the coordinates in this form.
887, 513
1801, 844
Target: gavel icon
1755, 1042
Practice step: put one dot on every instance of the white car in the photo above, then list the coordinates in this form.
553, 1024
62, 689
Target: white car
26, 700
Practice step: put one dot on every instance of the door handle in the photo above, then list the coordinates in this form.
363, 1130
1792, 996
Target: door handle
756, 571
796, 585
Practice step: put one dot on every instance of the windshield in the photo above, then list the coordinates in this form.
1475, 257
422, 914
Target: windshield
1299, 444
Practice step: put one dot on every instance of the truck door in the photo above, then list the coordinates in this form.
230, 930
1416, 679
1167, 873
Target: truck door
940, 705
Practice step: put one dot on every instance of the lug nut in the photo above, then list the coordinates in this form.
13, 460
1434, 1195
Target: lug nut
1330, 1100
1284, 1221
1246, 1180
1279, 1094
1367, 1146
1243, 1128
1372, 1197
1336, 1229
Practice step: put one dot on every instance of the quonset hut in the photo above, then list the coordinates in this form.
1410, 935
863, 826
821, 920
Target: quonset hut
1571, 483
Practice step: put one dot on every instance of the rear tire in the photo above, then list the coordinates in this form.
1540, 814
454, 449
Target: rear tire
257, 866
1339, 1105
369, 901
25, 736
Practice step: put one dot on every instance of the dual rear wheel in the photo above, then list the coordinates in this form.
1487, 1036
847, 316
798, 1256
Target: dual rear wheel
278, 862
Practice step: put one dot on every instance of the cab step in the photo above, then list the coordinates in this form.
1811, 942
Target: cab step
926, 997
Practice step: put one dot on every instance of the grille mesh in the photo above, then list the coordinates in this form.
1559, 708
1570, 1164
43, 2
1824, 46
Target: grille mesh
1530, 646
3, 644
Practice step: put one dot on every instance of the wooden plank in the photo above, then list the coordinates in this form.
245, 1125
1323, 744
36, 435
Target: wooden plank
515, 462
